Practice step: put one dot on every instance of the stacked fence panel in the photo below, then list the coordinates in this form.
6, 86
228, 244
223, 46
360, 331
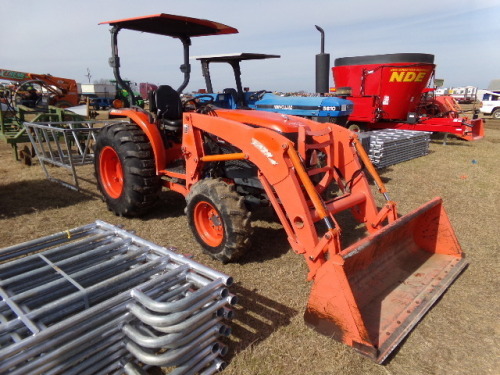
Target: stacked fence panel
98, 299
391, 146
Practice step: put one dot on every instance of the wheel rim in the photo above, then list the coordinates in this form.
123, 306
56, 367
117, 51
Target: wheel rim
208, 224
110, 168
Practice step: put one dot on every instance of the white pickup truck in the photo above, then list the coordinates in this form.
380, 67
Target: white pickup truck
490, 103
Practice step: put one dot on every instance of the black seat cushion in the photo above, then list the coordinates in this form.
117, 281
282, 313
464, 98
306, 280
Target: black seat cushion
168, 103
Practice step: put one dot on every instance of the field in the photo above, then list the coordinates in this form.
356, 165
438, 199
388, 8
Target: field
460, 335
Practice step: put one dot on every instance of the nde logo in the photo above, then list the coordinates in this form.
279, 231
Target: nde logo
407, 75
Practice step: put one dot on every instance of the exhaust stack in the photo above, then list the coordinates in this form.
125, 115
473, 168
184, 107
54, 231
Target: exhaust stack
322, 66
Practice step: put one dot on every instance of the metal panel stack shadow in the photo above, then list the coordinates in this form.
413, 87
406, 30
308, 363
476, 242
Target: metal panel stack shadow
66, 144
391, 146
100, 300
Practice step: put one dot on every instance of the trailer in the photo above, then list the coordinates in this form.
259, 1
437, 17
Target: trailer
392, 91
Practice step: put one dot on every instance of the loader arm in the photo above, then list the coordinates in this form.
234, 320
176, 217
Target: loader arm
273, 154
371, 294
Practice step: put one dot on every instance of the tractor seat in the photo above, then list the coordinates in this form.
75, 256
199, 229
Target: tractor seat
166, 104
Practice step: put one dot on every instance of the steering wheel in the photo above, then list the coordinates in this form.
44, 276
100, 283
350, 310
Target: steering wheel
257, 95
197, 104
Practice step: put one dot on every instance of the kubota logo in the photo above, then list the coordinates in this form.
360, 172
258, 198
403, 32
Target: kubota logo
407, 75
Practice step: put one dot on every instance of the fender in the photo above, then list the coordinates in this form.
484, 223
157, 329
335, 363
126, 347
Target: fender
141, 119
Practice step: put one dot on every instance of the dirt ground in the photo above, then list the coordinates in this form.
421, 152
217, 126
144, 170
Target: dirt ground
460, 335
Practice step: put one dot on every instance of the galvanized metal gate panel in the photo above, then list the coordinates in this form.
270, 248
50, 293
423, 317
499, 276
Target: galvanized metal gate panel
97, 299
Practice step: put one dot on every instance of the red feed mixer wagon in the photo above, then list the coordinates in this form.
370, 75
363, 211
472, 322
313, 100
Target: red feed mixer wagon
391, 92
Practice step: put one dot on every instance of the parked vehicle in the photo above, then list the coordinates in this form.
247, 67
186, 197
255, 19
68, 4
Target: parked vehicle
490, 103
314, 107
101, 103
391, 92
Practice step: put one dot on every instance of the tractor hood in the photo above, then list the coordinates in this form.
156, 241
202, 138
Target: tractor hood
275, 121
307, 106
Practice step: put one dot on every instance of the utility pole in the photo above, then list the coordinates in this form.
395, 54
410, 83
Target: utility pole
88, 75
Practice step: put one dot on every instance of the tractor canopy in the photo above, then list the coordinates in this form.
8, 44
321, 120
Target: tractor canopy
173, 26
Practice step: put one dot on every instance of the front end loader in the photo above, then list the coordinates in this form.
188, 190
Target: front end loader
368, 295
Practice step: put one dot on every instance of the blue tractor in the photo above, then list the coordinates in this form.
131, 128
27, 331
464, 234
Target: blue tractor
317, 108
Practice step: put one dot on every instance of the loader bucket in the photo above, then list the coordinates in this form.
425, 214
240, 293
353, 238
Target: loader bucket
373, 293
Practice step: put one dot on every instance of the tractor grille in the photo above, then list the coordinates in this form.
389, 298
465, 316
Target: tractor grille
100, 300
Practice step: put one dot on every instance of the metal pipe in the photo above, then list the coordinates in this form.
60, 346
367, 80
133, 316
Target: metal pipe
60, 285
93, 354
77, 259
218, 365
215, 308
131, 368
170, 357
66, 302
111, 365
201, 269
32, 351
43, 363
85, 316
172, 340
44, 242
174, 318
203, 363
192, 359
96, 319
142, 298
183, 304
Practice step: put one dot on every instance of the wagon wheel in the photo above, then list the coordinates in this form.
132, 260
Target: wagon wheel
26, 155
219, 219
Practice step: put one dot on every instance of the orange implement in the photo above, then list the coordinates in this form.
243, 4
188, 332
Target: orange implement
372, 294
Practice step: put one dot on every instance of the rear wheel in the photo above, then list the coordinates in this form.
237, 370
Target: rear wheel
219, 219
496, 114
125, 170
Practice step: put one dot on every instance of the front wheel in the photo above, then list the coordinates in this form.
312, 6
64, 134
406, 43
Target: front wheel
219, 219
125, 169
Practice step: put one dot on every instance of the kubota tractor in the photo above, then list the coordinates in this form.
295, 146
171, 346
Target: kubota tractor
368, 295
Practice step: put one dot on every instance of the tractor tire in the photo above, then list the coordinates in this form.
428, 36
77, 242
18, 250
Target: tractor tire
219, 219
125, 170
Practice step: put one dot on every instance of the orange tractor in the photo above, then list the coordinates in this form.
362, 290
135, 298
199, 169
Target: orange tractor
223, 162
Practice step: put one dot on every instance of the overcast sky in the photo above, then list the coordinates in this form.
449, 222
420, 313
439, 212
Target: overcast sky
63, 38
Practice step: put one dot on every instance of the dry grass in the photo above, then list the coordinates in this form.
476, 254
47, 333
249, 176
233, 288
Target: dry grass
458, 336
